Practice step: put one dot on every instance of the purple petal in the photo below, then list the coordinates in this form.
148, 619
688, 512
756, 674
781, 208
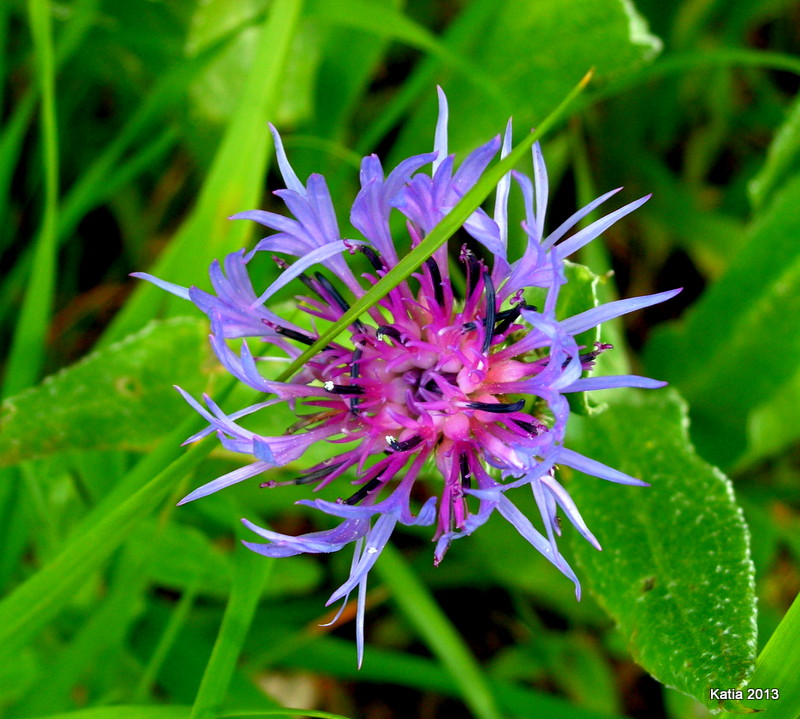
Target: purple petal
226, 480
597, 228
296, 269
576, 217
440, 137
597, 315
590, 384
288, 174
595, 468
177, 290
540, 182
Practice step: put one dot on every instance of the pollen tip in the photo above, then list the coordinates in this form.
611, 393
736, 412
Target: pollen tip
328, 386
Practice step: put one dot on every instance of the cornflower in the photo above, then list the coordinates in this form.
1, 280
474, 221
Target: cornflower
473, 383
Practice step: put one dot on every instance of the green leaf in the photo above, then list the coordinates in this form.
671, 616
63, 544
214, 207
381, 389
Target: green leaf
675, 572
740, 343
120, 397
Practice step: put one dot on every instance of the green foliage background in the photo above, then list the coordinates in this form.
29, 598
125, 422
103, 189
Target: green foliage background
132, 130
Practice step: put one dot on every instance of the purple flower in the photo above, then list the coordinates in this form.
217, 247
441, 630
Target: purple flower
473, 382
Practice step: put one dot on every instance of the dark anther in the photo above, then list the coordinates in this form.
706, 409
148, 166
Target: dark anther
342, 388
332, 291
405, 445
327, 285
354, 372
466, 475
587, 357
529, 427
468, 327
499, 408
373, 257
390, 332
491, 310
304, 278
600, 347
293, 335
436, 279
315, 475
506, 320
363, 492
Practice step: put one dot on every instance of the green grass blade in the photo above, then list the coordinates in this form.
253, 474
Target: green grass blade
441, 233
234, 181
27, 609
468, 24
26, 356
176, 622
251, 573
430, 621
13, 132
678, 63
778, 666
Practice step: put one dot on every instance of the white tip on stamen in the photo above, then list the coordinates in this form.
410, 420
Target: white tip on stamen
390, 439
328, 386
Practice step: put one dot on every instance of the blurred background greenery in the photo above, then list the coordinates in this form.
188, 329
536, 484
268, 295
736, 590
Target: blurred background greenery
131, 130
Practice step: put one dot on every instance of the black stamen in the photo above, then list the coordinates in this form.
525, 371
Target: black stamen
436, 279
373, 257
405, 445
529, 427
491, 310
466, 475
342, 388
498, 408
391, 332
506, 318
315, 475
337, 298
294, 335
354, 372
304, 278
332, 291
363, 492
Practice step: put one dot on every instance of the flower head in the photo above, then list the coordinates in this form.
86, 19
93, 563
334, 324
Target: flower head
472, 382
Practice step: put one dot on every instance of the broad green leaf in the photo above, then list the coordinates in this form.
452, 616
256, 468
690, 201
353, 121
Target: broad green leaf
783, 153
741, 341
534, 51
120, 397
675, 572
